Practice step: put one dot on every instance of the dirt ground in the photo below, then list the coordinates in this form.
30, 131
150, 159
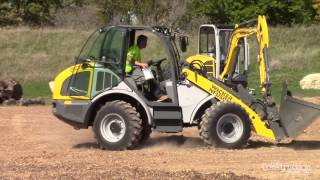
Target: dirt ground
36, 145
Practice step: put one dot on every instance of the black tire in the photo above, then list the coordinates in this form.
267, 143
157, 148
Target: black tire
225, 125
146, 131
17, 92
117, 126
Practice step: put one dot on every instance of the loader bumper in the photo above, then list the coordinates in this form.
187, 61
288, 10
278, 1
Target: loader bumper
295, 114
72, 113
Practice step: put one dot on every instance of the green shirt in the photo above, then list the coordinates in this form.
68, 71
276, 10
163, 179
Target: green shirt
134, 53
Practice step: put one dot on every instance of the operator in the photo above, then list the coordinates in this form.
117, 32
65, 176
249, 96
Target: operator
134, 59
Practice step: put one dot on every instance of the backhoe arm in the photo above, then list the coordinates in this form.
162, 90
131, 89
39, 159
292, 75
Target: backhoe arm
263, 42
240, 32
237, 35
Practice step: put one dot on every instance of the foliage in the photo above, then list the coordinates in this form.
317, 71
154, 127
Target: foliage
233, 11
171, 13
33, 12
316, 6
141, 11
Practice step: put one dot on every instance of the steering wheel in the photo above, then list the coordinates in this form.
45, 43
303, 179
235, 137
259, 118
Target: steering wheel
156, 63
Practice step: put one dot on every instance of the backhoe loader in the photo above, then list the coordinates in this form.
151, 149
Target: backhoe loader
208, 90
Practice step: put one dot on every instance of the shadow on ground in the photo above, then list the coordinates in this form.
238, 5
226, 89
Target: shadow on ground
181, 141
174, 141
302, 145
87, 145
296, 145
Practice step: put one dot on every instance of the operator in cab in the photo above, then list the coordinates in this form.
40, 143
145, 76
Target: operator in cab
134, 66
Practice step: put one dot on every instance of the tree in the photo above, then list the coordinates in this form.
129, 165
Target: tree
149, 12
316, 7
33, 12
233, 11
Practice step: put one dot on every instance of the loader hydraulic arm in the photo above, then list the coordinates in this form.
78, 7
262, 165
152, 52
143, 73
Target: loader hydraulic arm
241, 31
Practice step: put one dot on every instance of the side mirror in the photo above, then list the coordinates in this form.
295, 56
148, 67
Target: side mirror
183, 43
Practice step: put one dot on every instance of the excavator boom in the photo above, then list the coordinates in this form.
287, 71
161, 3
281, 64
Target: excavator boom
262, 34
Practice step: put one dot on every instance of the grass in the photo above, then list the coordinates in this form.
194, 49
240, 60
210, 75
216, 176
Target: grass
36, 89
34, 57
294, 53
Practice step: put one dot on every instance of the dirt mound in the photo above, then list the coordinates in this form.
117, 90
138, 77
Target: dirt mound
315, 100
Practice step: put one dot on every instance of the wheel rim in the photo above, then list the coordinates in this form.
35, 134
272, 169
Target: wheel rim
229, 128
113, 127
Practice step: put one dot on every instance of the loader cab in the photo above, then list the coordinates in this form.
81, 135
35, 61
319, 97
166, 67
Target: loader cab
100, 65
214, 41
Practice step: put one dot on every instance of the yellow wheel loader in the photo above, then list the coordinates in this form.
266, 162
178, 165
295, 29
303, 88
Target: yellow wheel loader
208, 90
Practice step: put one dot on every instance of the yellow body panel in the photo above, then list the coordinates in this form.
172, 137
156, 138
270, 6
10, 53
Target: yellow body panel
260, 127
65, 74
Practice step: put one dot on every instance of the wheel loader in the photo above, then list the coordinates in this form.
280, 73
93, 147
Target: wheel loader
208, 90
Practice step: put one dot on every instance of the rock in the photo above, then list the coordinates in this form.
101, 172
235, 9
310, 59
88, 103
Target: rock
311, 81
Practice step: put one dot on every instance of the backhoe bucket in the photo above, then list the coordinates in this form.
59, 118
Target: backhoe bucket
296, 114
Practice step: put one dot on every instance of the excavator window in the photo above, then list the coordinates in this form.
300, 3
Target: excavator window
207, 41
224, 40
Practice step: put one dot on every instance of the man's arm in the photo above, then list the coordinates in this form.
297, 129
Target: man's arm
137, 62
141, 64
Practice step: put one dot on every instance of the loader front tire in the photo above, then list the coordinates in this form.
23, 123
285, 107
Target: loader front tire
117, 126
225, 125
146, 131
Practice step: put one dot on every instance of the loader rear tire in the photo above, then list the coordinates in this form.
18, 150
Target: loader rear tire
117, 126
225, 125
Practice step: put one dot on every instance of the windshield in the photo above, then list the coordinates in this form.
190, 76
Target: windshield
91, 49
